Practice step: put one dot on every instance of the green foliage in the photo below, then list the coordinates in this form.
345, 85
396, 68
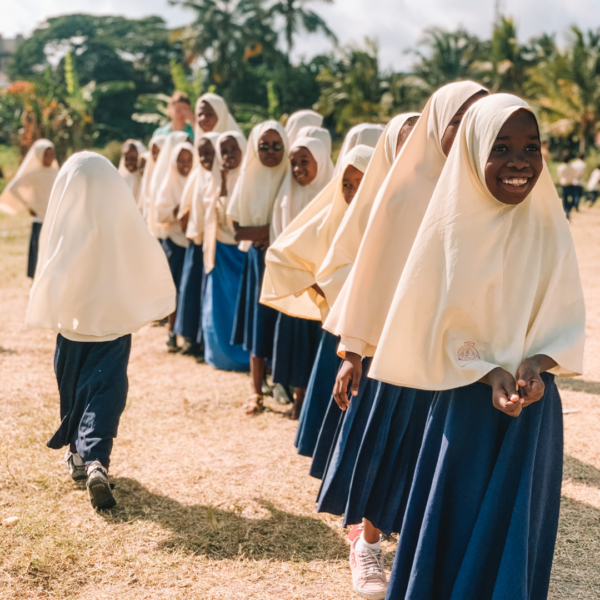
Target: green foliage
273, 101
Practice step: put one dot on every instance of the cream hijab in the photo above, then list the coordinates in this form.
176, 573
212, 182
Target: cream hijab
133, 180
100, 274
293, 198
216, 224
159, 141
342, 252
361, 308
366, 134
252, 199
300, 119
30, 188
320, 133
225, 121
487, 284
293, 260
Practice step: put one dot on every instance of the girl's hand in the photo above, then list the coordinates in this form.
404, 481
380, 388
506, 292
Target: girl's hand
32, 212
350, 371
263, 242
531, 385
184, 222
504, 391
318, 290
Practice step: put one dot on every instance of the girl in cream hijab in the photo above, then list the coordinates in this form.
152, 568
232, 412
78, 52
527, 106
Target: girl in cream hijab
154, 147
366, 134
501, 313
300, 119
101, 276
319, 133
129, 166
29, 190
212, 115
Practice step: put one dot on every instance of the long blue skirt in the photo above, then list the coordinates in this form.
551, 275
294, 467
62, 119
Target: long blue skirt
189, 311
482, 514
175, 257
218, 310
92, 384
318, 394
295, 348
254, 325
34, 239
326, 440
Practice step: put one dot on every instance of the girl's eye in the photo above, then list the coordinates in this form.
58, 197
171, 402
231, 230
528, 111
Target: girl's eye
533, 148
500, 148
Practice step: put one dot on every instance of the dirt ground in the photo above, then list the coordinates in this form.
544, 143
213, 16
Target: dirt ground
212, 504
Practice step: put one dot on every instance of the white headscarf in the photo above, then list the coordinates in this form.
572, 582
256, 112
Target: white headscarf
300, 119
487, 284
133, 180
367, 134
216, 225
252, 199
359, 312
342, 253
169, 196
319, 133
157, 140
100, 273
292, 262
30, 188
225, 121
293, 198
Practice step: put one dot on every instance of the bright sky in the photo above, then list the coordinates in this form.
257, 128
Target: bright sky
396, 23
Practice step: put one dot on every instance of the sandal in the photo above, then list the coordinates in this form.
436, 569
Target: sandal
254, 404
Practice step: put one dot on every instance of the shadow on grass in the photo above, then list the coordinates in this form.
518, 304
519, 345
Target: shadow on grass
225, 534
578, 385
581, 472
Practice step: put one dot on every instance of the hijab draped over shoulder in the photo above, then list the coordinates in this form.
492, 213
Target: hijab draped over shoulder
300, 119
487, 284
158, 141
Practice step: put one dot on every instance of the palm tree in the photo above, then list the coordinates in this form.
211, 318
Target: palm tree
297, 16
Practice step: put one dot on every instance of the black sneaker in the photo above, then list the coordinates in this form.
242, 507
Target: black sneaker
190, 348
98, 487
171, 343
76, 466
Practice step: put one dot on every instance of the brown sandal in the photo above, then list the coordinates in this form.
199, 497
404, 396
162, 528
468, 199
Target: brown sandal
254, 405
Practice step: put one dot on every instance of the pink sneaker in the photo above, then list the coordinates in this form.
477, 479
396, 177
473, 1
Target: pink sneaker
355, 532
368, 574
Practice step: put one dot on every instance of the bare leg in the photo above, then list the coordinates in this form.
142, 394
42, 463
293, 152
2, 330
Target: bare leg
257, 368
294, 412
171, 321
370, 534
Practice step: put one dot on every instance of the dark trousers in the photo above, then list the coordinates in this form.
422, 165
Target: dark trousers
36, 227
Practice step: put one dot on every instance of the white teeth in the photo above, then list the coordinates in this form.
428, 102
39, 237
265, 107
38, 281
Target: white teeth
517, 182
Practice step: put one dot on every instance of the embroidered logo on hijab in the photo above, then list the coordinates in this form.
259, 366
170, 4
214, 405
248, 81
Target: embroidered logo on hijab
468, 352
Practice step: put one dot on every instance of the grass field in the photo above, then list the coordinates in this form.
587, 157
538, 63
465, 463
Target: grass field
212, 504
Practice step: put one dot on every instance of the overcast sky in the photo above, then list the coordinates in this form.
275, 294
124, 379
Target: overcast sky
397, 24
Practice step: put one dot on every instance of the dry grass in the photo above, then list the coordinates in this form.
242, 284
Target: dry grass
213, 505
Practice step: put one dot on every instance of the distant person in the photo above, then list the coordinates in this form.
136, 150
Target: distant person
129, 166
180, 112
593, 185
565, 178
212, 115
578, 166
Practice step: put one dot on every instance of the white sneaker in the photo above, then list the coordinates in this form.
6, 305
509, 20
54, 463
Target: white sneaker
76, 466
98, 487
368, 574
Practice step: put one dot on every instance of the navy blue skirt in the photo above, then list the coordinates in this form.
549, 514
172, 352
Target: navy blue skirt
175, 256
254, 324
36, 227
92, 384
295, 348
318, 394
328, 435
189, 310
482, 514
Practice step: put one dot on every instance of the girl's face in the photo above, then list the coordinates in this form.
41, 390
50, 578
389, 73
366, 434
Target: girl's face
304, 165
131, 159
206, 116
270, 149
155, 152
184, 162
206, 152
351, 182
515, 162
49, 157
231, 153
452, 129
405, 132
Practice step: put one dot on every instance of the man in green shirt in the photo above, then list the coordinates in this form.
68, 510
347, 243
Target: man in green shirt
180, 112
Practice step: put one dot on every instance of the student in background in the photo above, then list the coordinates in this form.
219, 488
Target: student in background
180, 113
593, 186
156, 143
578, 167
565, 178
129, 167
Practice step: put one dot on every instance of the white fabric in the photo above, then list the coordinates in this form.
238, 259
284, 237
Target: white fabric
366, 134
565, 174
359, 312
342, 253
300, 119
30, 188
292, 262
578, 167
100, 273
319, 133
293, 198
252, 199
594, 180
169, 197
159, 141
225, 120
133, 180
487, 284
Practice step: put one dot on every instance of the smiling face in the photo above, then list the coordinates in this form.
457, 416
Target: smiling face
206, 153
270, 149
351, 182
452, 129
304, 165
405, 132
184, 162
231, 153
49, 157
131, 159
206, 116
515, 162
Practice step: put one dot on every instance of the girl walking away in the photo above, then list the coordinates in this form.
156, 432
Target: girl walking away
29, 190
223, 260
212, 115
264, 169
129, 167
156, 143
482, 514
296, 339
289, 284
365, 134
300, 119
174, 241
101, 277
191, 216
